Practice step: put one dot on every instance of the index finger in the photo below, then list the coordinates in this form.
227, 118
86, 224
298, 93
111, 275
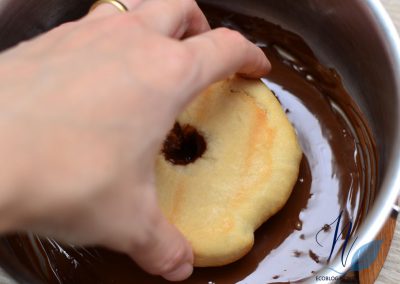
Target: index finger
222, 52
174, 18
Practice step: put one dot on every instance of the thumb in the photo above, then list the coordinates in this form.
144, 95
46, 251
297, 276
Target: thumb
164, 252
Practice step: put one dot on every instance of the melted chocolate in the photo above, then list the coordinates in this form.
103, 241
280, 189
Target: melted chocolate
338, 172
184, 145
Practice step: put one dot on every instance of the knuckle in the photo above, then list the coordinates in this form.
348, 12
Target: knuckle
148, 216
184, 54
178, 60
124, 20
169, 262
139, 243
182, 5
134, 20
232, 35
190, 3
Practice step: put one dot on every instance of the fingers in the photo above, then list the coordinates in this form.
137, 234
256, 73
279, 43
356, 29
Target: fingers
174, 18
164, 252
107, 9
222, 52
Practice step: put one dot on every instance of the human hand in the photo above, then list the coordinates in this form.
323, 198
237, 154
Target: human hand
84, 111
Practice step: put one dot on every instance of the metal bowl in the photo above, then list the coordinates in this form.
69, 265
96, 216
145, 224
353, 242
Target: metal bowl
356, 37
359, 40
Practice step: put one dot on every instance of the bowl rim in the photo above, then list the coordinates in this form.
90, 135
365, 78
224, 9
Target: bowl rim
390, 187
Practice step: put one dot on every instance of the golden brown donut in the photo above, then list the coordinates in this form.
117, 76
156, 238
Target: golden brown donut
229, 164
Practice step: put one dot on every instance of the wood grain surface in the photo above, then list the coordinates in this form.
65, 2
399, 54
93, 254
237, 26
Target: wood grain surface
393, 7
371, 275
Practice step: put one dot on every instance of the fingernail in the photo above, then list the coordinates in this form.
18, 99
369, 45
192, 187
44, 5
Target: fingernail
181, 273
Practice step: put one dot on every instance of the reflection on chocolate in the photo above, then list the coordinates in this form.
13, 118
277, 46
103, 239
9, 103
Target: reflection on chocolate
337, 172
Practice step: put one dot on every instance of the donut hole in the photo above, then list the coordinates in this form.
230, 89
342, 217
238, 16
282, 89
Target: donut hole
183, 145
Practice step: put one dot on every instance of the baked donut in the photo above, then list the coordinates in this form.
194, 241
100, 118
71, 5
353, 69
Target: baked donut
229, 163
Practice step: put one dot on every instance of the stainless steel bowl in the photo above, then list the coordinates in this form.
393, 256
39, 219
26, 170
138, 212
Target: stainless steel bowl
355, 37
359, 40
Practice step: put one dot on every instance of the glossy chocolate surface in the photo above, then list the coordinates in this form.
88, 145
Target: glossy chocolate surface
338, 172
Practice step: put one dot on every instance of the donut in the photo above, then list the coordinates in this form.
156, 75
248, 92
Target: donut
229, 163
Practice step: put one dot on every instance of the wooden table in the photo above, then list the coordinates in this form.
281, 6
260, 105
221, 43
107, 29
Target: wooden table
393, 7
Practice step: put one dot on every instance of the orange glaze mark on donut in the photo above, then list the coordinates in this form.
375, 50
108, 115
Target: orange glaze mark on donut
257, 137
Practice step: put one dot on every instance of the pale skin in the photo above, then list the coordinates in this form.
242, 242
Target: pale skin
84, 110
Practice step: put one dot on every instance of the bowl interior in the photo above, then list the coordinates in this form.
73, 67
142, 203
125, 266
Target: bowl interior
344, 36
